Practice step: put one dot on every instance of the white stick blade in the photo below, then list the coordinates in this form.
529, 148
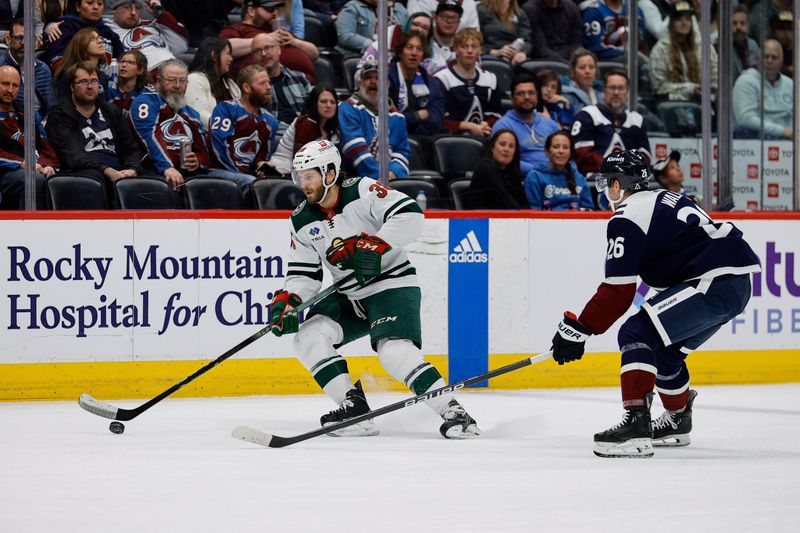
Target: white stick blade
251, 435
96, 407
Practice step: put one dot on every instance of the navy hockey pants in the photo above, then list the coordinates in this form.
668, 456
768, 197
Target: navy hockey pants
672, 324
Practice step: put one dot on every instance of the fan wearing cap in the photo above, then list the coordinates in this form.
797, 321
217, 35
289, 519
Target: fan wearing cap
762, 13
675, 58
259, 16
781, 28
701, 270
357, 118
468, 16
158, 39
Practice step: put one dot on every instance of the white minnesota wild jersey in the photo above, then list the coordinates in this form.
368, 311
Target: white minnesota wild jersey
366, 206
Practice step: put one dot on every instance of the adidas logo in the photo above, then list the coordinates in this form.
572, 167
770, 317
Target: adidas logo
469, 251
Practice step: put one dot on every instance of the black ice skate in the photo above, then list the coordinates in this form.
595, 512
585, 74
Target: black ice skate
354, 404
631, 437
457, 423
671, 428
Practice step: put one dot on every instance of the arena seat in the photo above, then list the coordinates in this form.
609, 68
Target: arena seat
276, 193
458, 190
145, 193
413, 185
502, 70
533, 66
76, 192
212, 193
457, 154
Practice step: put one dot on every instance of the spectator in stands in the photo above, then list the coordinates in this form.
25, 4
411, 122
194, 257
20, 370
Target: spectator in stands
91, 136
132, 79
675, 59
777, 98
13, 9
202, 18
746, 52
289, 87
258, 16
356, 23
419, 22
445, 25
582, 88
243, 132
414, 92
163, 121
12, 147
357, 119
325, 10
209, 81
605, 25
668, 173
472, 103
320, 120
762, 13
497, 180
657, 17
293, 18
781, 28
556, 29
82, 14
469, 18
557, 185
158, 39
48, 12
86, 46
43, 79
602, 129
506, 30
553, 104
530, 127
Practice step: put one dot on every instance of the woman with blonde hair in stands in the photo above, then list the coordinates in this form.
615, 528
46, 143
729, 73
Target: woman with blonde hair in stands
86, 46
132, 78
582, 88
506, 30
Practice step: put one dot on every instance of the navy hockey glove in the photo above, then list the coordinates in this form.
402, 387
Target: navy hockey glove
283, 319
369, 250
569, 340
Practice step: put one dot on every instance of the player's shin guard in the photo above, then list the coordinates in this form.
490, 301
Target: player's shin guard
403, 361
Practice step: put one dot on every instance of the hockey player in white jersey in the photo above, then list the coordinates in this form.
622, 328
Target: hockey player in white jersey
702, 272
356, 228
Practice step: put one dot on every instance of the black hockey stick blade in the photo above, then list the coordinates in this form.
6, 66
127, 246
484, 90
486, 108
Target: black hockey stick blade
106, 410
269, 440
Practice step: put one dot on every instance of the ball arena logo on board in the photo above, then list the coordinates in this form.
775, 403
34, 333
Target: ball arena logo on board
469, 250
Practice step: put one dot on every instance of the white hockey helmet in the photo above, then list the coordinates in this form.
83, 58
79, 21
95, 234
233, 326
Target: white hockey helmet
319, 154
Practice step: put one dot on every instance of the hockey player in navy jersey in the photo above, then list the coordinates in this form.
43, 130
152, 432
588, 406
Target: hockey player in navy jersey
163, 121
702, 270
243, 132
356, 228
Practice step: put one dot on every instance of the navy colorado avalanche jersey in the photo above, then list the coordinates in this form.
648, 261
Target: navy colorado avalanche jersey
665, 238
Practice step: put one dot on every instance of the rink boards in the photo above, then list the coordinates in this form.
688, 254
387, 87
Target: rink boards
124, 305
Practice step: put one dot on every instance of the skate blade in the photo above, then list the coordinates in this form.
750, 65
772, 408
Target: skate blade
459, 433
366, 428
673, 441
636, 448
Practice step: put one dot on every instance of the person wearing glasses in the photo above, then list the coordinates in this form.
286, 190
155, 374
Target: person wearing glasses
163, 122
445, 25
91, 136
132, 79
531, 127
469, 19
419, 22
43, 79
80, 14
259, 16
290, 88
602, 129
159, 39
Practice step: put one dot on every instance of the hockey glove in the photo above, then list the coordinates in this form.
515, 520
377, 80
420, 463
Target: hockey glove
342, 253
283, 319
369, 250
569, 340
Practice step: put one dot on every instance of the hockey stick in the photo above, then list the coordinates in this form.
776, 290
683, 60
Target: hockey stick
261, 438
106, 410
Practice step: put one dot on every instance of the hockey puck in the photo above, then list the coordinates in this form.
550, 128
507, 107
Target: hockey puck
117, 427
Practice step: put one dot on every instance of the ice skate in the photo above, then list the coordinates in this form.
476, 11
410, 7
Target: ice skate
354, 404
457, 423
632, 437
672, 429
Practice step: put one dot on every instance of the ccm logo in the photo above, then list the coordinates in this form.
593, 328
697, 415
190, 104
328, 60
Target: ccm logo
434, 394
383, 320
364, 245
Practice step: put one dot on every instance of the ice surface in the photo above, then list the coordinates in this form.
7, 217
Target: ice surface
176, 468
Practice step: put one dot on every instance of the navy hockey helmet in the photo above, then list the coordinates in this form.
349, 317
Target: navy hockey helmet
629, 168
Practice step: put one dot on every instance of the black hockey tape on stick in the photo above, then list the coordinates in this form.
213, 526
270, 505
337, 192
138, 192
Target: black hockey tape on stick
262, 438
106, 410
